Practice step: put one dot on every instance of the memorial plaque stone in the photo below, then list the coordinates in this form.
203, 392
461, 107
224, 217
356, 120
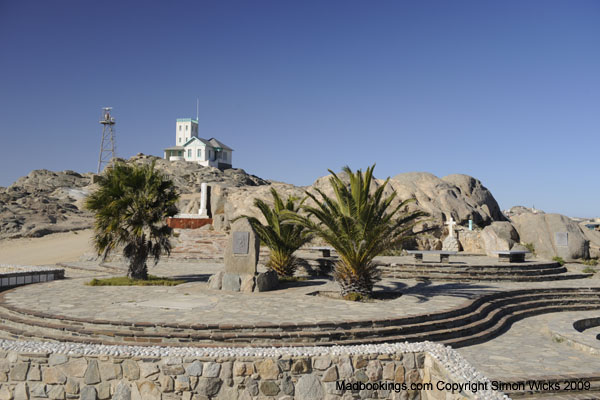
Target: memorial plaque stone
240, 242
561, 239
241, 251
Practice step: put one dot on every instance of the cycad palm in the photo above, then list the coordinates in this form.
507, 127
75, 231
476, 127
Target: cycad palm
282, 238
131, 206
359, 225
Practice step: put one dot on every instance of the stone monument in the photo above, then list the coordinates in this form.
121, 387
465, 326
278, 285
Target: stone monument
241, 260
190, 219
202, 211
450, 243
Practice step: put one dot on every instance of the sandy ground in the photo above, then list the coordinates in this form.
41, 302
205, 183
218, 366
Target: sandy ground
50, 249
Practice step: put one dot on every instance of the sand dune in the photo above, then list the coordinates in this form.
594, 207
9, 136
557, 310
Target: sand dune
50, 249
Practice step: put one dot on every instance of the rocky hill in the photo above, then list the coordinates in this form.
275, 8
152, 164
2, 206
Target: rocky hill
45, 202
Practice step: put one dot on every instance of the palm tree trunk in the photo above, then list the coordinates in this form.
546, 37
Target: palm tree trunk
138, 269
356, 285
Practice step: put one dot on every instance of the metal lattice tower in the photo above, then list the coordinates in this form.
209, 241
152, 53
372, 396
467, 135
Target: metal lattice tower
107, 146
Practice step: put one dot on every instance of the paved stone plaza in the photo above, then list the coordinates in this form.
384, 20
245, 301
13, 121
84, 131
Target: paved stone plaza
526, 349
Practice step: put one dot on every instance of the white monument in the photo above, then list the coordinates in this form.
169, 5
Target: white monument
203, 212
450, 243
451, 224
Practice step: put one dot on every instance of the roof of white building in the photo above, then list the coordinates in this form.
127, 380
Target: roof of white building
215, 143
212, 142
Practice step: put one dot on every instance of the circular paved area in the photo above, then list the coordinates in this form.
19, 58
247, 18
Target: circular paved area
193, 302
527, 349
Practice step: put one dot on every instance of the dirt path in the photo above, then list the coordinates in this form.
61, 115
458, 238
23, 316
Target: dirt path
50, 249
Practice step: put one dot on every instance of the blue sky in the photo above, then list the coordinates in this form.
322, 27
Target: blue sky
506, 91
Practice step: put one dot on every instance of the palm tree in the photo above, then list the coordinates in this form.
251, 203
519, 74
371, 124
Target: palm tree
131, 206
282, 238
359, 225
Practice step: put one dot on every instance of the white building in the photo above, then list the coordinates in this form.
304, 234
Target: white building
189, 147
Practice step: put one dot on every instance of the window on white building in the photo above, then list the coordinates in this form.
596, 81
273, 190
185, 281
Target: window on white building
186, 127
179, 140
189, 152
199, 153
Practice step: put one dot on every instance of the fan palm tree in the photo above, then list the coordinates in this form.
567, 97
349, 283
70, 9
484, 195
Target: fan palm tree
282, 238
131, 206
359, 224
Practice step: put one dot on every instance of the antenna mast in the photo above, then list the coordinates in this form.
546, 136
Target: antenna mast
197, 108
107, 145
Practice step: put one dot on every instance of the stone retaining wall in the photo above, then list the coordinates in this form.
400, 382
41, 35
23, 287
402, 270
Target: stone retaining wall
52, 375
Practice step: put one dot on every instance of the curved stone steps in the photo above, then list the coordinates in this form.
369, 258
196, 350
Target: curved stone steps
530, 391
507, 269
443, 276
456, 272
480, 320
547, 278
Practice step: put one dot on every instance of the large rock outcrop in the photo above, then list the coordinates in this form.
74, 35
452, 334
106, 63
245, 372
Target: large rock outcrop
541, 229
459, 196
499, 236
44, 202
594, 237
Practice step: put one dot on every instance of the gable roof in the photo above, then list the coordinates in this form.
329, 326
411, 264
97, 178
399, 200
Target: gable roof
206, 142
212, 142
215, 143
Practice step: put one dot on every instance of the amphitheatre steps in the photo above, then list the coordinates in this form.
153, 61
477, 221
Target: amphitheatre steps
534, 389
480, 320
514, 272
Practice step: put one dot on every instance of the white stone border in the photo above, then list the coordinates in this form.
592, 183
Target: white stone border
27, 268
456, 366
26, 274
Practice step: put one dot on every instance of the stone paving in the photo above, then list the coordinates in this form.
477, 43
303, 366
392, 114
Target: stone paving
525, 350
528, 350
193, 302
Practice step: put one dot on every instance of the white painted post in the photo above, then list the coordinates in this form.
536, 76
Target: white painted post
203, 211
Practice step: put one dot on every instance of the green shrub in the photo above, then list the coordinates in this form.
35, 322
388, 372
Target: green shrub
591, 262
530, 247
393, 252
126, 281
589, 270
354, 296
558, 339
292, 278
559, 260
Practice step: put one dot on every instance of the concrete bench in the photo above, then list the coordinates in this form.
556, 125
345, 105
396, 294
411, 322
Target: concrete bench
444, 255
325, 251
511, 255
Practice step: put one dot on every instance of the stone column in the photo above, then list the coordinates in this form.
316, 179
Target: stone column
203, 211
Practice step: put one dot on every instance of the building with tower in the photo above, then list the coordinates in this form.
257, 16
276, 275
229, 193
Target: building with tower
190, 147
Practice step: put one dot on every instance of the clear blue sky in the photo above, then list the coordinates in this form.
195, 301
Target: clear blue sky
506, 91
